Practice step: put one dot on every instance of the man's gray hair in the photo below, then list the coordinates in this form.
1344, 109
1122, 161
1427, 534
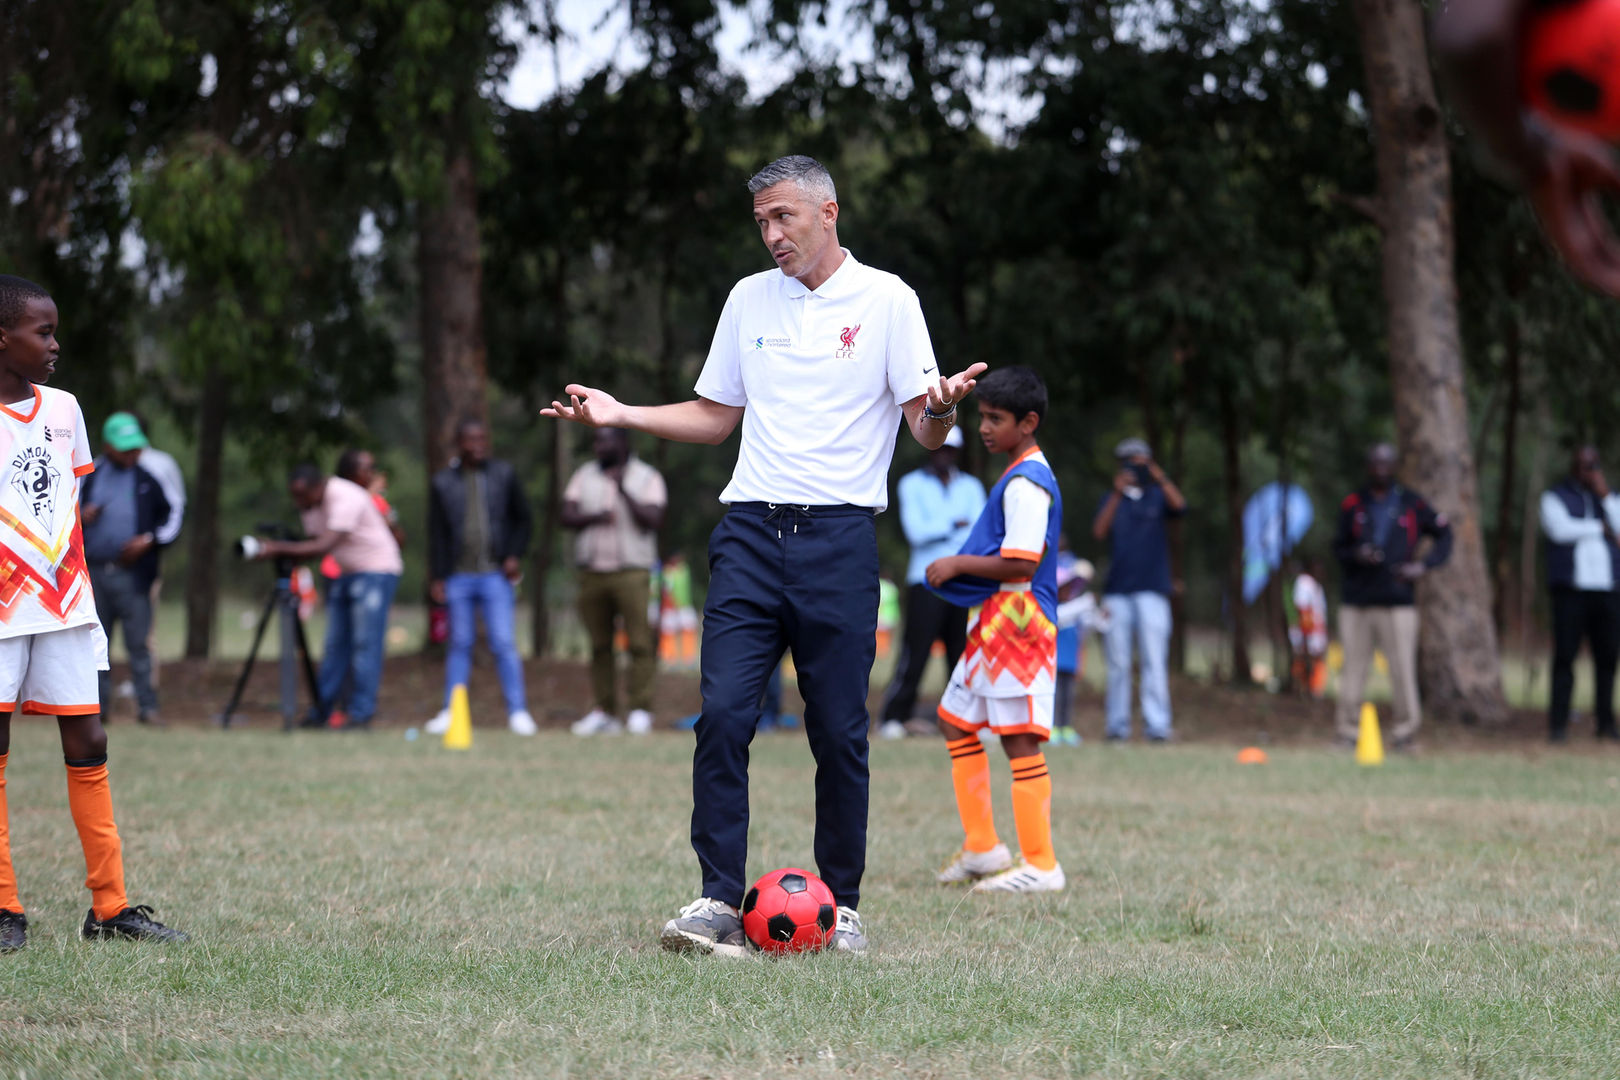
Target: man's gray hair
811, 176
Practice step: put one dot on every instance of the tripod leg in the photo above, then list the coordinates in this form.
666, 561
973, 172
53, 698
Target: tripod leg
309, 665
247, 667
287, 612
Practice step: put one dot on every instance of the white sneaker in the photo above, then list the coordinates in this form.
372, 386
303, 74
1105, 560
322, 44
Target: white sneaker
596, 722
439, 724
973, 865
891, 729
847, 935
521, 723
706, 926
639, 722
1024, 878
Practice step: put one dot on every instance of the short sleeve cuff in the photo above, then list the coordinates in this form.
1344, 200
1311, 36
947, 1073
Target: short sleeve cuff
715, 394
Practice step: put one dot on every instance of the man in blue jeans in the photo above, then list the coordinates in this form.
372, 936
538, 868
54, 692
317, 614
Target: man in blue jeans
478, 530
341, 519
1137, 594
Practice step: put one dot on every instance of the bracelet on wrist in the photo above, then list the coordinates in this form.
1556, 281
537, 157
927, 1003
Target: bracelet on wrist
948, 416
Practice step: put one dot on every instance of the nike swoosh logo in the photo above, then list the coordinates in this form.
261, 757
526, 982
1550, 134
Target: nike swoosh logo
929, 370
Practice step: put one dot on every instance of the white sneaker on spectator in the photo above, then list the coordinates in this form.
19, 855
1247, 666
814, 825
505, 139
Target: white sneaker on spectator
521, 723
639, 722
891, 729
439, 724
596, 722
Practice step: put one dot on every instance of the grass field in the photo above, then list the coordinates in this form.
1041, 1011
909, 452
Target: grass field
367, 906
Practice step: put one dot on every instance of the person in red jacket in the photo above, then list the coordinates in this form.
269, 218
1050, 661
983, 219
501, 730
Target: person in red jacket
1381, 528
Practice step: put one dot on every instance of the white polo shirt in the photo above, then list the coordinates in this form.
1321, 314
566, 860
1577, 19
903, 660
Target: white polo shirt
822, 375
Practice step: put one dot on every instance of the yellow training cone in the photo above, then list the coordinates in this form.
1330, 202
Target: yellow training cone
1369, 743
458, 736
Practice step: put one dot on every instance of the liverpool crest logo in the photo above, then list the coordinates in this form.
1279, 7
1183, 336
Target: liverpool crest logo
846, 350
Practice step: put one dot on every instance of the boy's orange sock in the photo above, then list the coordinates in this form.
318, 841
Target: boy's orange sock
1032, 810
8, 877
90, 800
970, 775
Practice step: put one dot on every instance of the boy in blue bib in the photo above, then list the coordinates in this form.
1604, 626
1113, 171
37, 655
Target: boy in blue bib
1005, 681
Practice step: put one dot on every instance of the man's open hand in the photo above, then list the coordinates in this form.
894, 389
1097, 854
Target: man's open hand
954, 389
589, 406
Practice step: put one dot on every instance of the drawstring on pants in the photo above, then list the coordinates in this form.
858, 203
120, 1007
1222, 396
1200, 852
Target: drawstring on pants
780, 511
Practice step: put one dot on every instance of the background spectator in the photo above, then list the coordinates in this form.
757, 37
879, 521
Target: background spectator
938, 505
617, 504
1380, 528
1308, 629
1136, 596
341, 518
167, 472
123, 506
1077, 613
478, 532
1579, 516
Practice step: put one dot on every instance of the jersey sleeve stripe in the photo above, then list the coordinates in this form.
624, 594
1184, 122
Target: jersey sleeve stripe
86, 468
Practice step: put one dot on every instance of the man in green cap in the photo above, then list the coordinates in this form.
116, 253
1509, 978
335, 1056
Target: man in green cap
122, 506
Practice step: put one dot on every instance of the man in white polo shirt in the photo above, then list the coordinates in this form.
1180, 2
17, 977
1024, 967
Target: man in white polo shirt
818, 362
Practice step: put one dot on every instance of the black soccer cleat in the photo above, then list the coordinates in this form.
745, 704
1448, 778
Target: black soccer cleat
133, 922
13, 930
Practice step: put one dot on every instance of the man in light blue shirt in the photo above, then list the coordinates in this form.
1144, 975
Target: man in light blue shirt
938, 505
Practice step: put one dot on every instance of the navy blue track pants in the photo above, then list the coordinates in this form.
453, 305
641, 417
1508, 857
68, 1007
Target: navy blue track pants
805, 579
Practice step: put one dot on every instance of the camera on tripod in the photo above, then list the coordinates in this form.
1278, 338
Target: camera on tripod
281, 606
248, 547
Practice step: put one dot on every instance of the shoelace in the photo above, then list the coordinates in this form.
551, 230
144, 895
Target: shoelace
143, 911
848, 922
702, 908
780, 511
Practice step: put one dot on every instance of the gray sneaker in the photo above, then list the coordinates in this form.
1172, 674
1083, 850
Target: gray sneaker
847, 934
707, 926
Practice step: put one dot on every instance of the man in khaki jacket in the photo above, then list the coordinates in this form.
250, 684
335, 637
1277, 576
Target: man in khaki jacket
617, 505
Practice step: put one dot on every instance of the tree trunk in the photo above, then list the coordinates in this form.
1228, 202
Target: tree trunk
1459, 667
202, 516
1231, 443
450, 275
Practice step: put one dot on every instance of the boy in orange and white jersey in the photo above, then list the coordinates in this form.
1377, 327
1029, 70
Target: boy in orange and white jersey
51, 643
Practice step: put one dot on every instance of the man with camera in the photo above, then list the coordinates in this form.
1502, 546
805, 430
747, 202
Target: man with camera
123, 508
1380, 529
1136, 596
1579, 516
341, 518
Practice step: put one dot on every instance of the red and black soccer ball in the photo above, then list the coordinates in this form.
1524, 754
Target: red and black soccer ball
789, 910
1571, 64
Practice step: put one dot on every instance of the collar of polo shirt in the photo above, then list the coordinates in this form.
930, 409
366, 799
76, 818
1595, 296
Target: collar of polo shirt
841, 282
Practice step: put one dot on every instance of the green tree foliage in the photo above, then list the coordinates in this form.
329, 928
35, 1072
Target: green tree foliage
1163, 208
